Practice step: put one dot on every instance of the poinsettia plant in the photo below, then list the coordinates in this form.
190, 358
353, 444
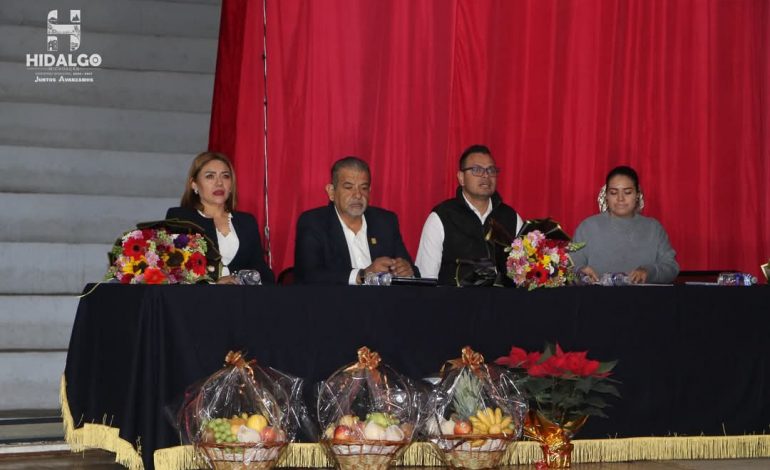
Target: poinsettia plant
563, 386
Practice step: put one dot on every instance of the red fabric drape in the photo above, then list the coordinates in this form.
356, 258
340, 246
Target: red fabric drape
237, 112
561, 91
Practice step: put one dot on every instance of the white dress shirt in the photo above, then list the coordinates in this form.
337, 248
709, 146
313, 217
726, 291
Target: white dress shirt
432, 240
358, 247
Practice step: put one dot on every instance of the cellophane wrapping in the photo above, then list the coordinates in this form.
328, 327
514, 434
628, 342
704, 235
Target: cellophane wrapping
368, 413
473, 413
243, 416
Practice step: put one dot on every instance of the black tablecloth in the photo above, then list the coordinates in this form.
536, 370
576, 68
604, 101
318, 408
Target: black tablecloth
692, 358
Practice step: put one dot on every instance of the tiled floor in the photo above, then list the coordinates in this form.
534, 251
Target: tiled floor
99, 460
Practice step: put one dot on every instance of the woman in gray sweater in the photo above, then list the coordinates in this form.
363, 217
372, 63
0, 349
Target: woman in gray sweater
619, 239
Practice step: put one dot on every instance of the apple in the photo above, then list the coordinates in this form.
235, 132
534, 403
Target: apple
269, 434
343, 433
463, 427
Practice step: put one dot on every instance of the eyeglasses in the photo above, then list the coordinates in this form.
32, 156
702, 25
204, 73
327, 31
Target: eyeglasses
480, 170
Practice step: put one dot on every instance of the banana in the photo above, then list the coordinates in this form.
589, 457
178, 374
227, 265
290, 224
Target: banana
490, 415
491, 421
479, 427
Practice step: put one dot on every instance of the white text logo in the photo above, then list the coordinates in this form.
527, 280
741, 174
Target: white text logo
55, 66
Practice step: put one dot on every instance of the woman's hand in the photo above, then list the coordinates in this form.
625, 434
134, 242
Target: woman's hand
226, 280
590, 273
637, 276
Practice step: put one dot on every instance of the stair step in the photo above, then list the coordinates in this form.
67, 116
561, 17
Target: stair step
51, 268
125, 89
30, 430
66, 218
30, 380
62, 126
97, 172
120, 16
119, 51
36, 321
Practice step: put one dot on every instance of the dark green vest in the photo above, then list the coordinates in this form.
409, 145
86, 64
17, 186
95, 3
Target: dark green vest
464, 234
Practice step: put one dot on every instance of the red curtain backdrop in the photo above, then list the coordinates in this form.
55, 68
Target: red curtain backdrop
237, 111
561, 91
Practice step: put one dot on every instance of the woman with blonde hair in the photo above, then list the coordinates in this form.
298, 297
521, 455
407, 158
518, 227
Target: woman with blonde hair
209, 201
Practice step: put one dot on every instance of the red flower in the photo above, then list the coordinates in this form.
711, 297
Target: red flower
562, 364
148, 233
519, 358
196, 263
538, 273
126, 279
154, 276
547, 368
134, 248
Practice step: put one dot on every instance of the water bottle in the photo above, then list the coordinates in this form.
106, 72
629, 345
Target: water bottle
378, 279
614, 279
736, 279
248, 277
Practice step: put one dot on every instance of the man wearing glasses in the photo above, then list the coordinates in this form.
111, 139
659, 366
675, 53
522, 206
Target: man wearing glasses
456, 228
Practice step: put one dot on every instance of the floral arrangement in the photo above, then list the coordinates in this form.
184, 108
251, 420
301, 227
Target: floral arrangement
563, 386
157, 256
536, 261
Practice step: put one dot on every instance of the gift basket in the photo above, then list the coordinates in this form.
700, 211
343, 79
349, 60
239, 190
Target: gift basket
474, 413
243, 416
368, 413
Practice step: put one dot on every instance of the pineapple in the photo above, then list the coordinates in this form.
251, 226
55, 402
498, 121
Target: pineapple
467, 398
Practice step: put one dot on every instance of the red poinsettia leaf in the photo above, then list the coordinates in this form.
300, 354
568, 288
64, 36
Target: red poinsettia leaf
516, 358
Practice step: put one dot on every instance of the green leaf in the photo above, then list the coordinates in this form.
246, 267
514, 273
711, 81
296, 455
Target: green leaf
603, 387
596, 401
585, 384
605, 367
592, 411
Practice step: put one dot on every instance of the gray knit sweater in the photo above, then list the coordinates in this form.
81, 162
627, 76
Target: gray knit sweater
615, 244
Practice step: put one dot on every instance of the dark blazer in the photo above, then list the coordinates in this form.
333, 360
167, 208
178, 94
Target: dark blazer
249, 254
321, 253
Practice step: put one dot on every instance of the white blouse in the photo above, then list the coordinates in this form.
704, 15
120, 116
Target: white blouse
228, 245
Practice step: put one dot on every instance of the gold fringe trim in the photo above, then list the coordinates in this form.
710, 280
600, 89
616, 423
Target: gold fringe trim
99, 436
177, 458
672, 448
526, 452
102, 436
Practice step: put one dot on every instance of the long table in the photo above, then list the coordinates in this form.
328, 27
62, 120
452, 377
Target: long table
692, 359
